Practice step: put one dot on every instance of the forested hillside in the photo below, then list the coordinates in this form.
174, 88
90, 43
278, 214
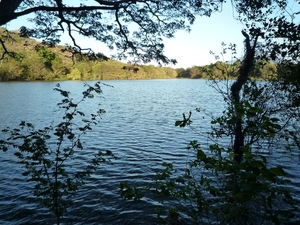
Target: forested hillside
35, 61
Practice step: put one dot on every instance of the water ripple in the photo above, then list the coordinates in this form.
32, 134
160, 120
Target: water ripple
138, 128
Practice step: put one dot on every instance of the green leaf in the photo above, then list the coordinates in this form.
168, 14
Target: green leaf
246, 197
278, 171
18, 154
263, 158
214, 122
268, 175
201, 155
178, 123
80, 113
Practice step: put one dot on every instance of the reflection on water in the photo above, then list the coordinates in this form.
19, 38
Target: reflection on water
138, 128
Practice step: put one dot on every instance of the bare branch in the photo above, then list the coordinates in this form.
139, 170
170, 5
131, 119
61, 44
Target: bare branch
5, 50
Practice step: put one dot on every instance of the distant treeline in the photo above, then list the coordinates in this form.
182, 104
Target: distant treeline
35, 61
220, 70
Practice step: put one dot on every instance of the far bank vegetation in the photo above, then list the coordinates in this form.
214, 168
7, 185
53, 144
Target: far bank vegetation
34, 61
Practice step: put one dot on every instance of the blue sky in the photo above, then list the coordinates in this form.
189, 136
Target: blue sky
192, 48
207, 35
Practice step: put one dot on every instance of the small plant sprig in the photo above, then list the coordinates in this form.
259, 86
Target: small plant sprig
47, 153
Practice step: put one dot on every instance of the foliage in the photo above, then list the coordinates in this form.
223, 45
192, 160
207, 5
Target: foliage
235, 184
41, 62
247, 188
263, 70
47, 153
276, 26
216, 188
194, 72
135, 28
231, 182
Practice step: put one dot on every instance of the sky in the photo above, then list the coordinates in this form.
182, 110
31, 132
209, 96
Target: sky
189, 49
192, 49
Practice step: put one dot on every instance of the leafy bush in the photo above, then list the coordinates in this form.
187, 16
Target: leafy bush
217, 187
47, 153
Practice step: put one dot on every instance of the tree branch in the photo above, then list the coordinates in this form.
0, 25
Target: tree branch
5, 50
14, 15
7, 9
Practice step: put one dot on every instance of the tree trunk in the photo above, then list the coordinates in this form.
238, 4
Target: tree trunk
236, 88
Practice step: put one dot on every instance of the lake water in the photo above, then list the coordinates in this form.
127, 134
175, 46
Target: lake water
138, 127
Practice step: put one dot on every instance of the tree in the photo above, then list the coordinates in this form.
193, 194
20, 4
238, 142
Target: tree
232, 183
229, 181
184, 73
264, 69
134, 27
276, 26
195, 72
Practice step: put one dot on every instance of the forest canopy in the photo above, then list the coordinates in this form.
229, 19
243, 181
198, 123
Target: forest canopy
135, 28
